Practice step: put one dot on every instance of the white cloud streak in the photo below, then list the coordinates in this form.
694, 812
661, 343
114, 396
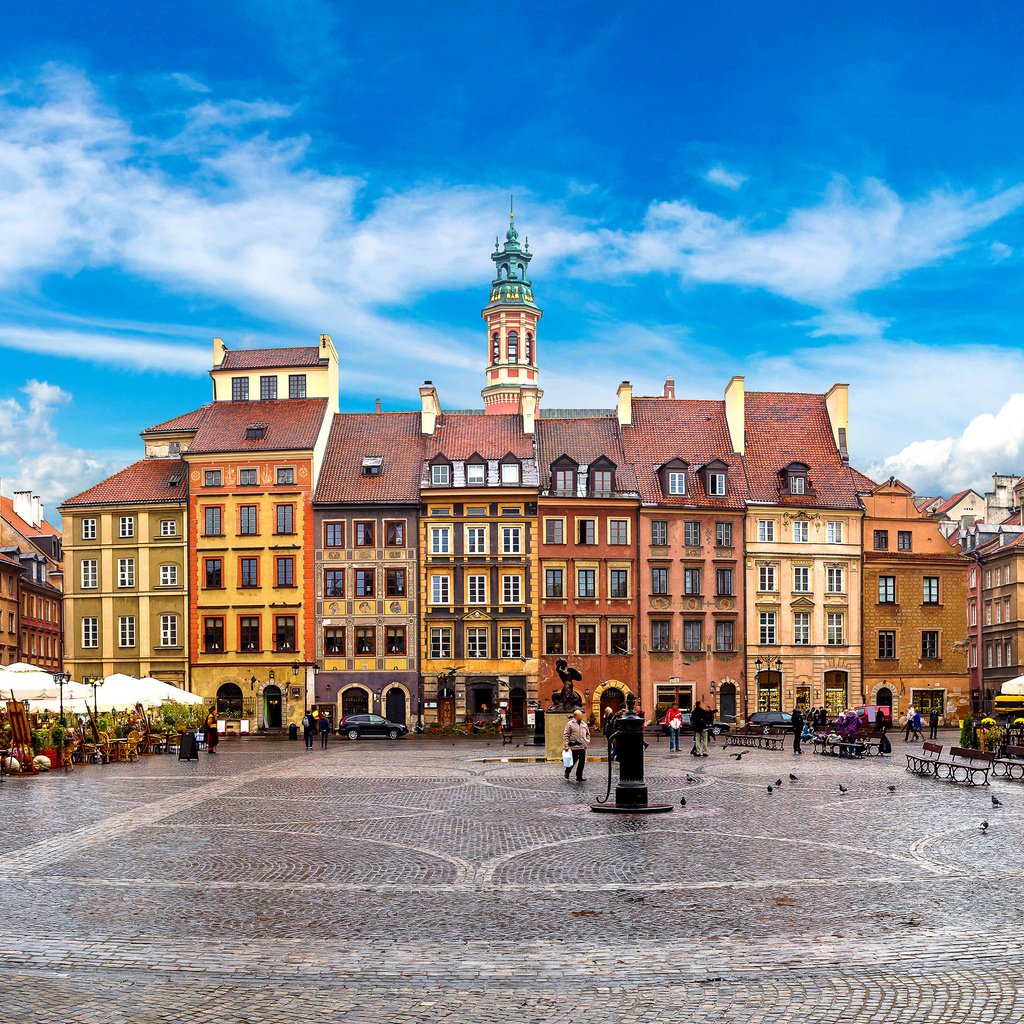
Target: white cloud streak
719, 175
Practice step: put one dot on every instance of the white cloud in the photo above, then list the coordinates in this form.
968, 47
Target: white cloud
845, 323
189, 82
999, 251
719, 175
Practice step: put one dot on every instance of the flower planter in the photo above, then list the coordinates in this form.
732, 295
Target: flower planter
52, 755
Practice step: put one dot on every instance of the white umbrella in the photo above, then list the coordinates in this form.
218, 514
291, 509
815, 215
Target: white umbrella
123, 692
169, 692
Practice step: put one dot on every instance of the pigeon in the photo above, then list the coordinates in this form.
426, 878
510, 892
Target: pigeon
738, 756
518, 745
984, 827
792, 777
996, 802
892, 789
843, 789
682, 801
771, 789
690, 778
778, 783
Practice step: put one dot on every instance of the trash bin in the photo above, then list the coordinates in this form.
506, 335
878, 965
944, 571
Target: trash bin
293, 731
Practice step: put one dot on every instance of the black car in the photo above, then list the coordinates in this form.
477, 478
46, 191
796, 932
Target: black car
715, 729
780, 719
355, 727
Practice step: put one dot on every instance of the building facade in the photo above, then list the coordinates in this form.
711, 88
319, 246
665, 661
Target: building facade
10, 607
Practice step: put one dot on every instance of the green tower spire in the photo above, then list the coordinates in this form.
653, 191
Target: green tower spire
511, 283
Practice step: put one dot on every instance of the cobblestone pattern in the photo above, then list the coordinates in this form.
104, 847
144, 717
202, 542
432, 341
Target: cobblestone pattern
416, 882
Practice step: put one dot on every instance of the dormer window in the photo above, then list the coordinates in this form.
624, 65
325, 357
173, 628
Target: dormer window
564, 475
672, 476
794, 478
476, 474
565, 480
716, 479
372, 465
510, 473
797, 484
440, 476
256, 432
676, 482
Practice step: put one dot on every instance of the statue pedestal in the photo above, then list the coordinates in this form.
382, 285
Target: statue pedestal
554, 726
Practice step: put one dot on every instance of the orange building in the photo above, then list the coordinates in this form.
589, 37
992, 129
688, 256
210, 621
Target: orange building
10, 573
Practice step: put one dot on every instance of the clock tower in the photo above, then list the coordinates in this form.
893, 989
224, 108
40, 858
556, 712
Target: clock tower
511, 318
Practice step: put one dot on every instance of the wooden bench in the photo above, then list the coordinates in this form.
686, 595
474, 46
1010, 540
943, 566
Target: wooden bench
1010, 765
965, 765
840, 747
763, 737
925, 762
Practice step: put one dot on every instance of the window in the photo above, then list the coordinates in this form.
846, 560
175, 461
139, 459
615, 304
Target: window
248, 572
285, 570
475, 474
716, 484
766, 530
126, 572
618, 638
477, 641
802, 579
601, 481
766, 578
364, 533
440, 540
512, 589
691, 534
126, 631
88, 530
365, 582
659, 580
90, 573
511, 641
248, 477
586, 585
285, 518
618, 583
284, 632
212, 526
212, 478
439, 475
476, 589
239, 389
554, 531
887, 643
886, 589
510, 473
659, 532
723, 535
724, 636
766, 633
268, 387
286, 475
334, 535
394, 533
834, 532
213, 569
334, 583
988, 656
1009, 653
801, 531
586, 638
660, 635
476, 540
554, 638
796, 484
693, 635
440, 589
90, 632
441, 642
723, 582
249, 632
553, 583
366, 641
168, 630
931, 590
512, 346
691, 581
126, 526
988, 613
835, 628
802, 628
394, 582
835, 581
930, 643
296, 385
213, 635
511, 540
881, 540
676, 482
247, 522
168, 575
586, 531
618, 531
904, 540
972, 611
334, 640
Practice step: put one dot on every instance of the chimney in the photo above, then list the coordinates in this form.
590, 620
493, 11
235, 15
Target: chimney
325, 340
624, 404
670, 388
377, 409
837, 404
529, 399
37, 510
219, 348
22, 504
735, 414
430, 412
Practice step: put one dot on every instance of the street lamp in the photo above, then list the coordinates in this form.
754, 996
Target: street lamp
61, 679
94, 682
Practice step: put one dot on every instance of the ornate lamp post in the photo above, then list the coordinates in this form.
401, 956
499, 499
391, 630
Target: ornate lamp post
61, 679
94, 682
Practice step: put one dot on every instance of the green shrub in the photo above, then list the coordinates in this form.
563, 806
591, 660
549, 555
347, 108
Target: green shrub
968, 733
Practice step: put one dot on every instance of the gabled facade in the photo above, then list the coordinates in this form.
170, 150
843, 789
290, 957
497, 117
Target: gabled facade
10, 605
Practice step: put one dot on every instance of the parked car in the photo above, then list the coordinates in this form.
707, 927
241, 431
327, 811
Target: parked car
717, 728
779, 719
355, 727
869, 712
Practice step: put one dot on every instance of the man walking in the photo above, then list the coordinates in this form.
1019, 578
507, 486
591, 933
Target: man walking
307, 730
675, 725
910, 724
576, 738
798, 728
325, 731
699, 721
933, 723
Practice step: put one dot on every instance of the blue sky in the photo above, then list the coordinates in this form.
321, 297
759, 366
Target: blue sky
802, 193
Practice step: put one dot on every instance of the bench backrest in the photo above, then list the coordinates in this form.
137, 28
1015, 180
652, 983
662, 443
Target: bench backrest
933, 748
972, 755
1012, 751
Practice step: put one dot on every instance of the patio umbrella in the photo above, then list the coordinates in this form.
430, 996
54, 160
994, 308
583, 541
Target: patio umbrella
167, 691
123, 692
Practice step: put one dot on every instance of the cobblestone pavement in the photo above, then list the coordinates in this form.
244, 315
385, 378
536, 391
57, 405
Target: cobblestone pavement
421, 881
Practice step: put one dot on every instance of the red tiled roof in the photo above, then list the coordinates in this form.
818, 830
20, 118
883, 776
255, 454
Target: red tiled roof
784, 427
685, 428
270, 358
459, 435
950, 502
584, 440
148, 480
187, 421
24, 528
291, 423
9, 561
393, 436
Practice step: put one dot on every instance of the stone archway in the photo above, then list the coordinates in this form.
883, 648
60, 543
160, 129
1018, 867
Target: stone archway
354, 700
597, 708
396, 704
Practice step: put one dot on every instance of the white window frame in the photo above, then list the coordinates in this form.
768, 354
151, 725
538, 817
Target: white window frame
716, 485
510, 474
440, 540
90, 573
836, 629
511, 540
90, 632
168, 528
766, 579
472, 534
512, 589
801, 573
168, 630
126, 635
476, 588
88, 529
677, 482
126, 573
126, 526
440, 475
802, 629
440, 642
511, 642
476, 474
797, 485
766, 531
441, 589
767, 629
477, 641
835, 580
801, 531
834, 531
169, 575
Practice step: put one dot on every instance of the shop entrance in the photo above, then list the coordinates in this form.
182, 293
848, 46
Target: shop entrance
769, 691
355, 701
517, 707
395, 706
884, 699
272, 707
835, 693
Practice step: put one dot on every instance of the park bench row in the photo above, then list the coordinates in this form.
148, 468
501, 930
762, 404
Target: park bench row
858, 745
961, 764
762, 737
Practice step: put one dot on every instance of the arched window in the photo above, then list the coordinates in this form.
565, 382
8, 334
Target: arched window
495, 347
229, 700
513, 347
529, 348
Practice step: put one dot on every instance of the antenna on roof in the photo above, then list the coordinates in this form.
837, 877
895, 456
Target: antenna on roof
511, 207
